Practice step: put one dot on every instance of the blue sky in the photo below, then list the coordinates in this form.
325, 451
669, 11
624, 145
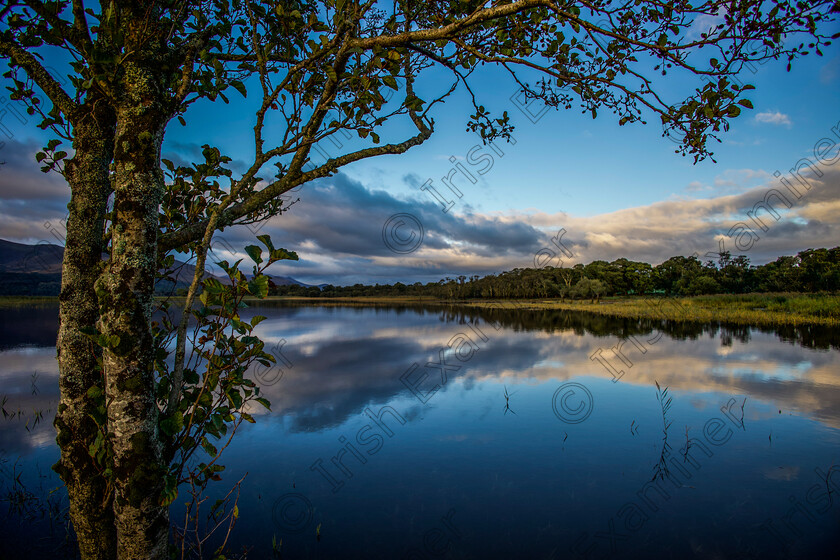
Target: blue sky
617, 191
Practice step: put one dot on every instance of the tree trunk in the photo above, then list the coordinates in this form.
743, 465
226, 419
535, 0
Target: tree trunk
126, 298
87, 487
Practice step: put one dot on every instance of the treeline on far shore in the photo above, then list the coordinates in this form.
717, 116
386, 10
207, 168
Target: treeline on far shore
809, 271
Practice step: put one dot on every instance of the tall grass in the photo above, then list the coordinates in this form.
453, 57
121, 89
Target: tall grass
748, 309
810, 305
23, 301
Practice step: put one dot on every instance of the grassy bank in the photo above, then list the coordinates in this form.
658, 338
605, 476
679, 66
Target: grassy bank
359, 299
23, 301
748, 309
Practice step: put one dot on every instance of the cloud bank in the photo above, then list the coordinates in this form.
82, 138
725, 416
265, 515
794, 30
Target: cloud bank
337, 225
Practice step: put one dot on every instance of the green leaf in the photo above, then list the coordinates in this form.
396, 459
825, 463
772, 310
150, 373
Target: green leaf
169, 497
208, 447
213, 286
172, 425
240, 87
283, 255
259, 286
266, 240
746, 103
255, 253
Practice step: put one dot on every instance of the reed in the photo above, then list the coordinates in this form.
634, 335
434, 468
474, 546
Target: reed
748, 309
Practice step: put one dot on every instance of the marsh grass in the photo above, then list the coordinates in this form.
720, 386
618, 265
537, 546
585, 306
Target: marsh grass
358, 299
507, 401
660, 469
44, 506
27, 301
747, 309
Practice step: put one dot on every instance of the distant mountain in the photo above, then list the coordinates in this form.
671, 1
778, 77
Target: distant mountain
287, 281
183, 276
43, 258
187, 271
29, 270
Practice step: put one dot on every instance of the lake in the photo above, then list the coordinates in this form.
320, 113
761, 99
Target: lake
447, 432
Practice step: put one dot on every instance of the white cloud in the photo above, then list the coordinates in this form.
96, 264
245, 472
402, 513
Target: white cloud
731, 181
773, 117
337, 228
705, 23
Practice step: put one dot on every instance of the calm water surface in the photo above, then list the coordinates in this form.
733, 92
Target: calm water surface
439, 432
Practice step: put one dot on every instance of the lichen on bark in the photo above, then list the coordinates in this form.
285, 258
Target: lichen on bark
88, 489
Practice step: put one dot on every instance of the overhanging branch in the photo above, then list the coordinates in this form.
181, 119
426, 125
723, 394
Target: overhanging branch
39, 74
194, 232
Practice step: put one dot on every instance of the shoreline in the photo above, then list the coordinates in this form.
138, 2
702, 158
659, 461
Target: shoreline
771, 309
746, 309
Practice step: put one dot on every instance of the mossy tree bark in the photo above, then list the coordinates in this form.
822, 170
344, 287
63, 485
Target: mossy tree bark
87, 487
126, 291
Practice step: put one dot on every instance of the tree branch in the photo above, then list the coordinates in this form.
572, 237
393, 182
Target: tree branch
193, 232
80, 24
68, 32
448, 31
39, 74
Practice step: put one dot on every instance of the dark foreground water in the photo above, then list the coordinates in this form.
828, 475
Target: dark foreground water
403, 432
